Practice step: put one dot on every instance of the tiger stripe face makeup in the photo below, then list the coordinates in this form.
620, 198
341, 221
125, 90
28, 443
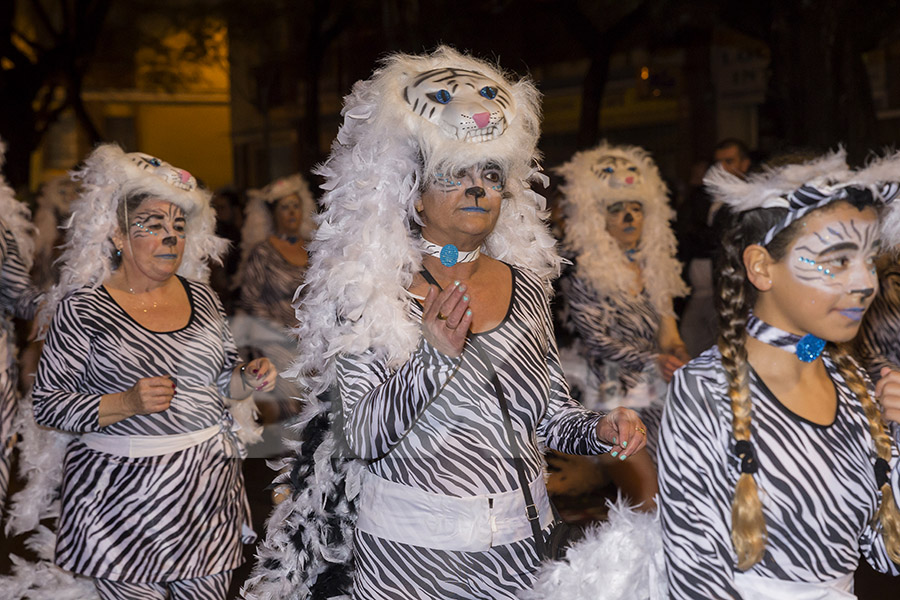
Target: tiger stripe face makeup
838, 257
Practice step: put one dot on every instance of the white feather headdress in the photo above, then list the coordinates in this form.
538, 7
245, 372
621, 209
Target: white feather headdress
258, 222
802, 188
16, 216
366, 250
107, 177
599, 258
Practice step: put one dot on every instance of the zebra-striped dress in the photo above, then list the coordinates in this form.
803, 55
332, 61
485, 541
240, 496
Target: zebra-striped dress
816, 482
435, 425
620, 335
18, 298
150, 519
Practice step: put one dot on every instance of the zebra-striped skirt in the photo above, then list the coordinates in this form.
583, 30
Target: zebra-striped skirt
387, 570
153, 519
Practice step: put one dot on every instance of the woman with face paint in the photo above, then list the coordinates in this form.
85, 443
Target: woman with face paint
137, 363
619, 293
426, 303
277, 226
777, 467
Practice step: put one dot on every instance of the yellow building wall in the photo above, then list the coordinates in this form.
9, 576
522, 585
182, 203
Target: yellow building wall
194, 137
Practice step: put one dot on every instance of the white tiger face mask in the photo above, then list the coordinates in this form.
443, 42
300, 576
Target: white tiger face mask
617, 173
169, 173
466, 105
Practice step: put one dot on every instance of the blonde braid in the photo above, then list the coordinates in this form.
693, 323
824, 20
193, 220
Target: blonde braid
888, 514
748, 525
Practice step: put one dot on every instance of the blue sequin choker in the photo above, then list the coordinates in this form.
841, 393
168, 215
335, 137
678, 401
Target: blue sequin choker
449, 255
807, 348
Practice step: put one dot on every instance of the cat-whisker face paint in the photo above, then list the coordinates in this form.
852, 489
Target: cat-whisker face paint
839, 258
155, 221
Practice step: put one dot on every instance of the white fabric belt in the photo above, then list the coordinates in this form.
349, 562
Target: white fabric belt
754, 587
409, 515
136, 446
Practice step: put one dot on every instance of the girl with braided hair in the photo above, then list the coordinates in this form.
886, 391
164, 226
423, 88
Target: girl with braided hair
777, 468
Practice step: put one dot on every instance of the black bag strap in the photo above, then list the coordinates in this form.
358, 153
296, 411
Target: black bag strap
531, 510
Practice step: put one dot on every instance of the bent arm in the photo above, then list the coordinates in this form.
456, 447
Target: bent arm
379, 405
567, 426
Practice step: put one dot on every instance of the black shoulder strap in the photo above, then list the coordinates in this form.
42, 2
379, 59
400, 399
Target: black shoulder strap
531, 510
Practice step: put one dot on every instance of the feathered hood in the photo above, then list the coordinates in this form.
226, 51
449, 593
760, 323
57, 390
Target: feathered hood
802, 188
601, 176
16, 216
415, 117
107, 177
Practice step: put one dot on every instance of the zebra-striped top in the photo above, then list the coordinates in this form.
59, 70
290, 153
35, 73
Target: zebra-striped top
94, 347
616, 330
817, 485
438, 419
268, 285
878, 340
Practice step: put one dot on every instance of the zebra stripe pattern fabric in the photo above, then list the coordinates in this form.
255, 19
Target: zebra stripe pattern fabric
213, 587
18, 298
435, 424
150, 519
615, 330
817, 485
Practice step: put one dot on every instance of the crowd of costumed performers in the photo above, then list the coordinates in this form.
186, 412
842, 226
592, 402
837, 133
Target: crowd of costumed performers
403, 334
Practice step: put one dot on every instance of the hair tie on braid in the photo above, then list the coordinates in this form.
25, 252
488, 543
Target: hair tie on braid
882, 471
744, 450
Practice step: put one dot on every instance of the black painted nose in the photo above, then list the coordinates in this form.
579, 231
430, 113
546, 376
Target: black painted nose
169, 240
864, 293
476, 191
629, 218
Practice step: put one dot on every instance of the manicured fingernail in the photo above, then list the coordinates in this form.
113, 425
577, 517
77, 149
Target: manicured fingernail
614, 454
465, 298
614, 440
456, 283
623, 457
624, 444
462, 288
468, 313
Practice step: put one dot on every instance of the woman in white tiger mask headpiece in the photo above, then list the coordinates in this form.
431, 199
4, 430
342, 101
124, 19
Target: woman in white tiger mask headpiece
619, 294
427, 183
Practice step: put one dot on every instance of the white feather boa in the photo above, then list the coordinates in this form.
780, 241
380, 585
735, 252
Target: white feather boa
620, 559
365, 250
599, 258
